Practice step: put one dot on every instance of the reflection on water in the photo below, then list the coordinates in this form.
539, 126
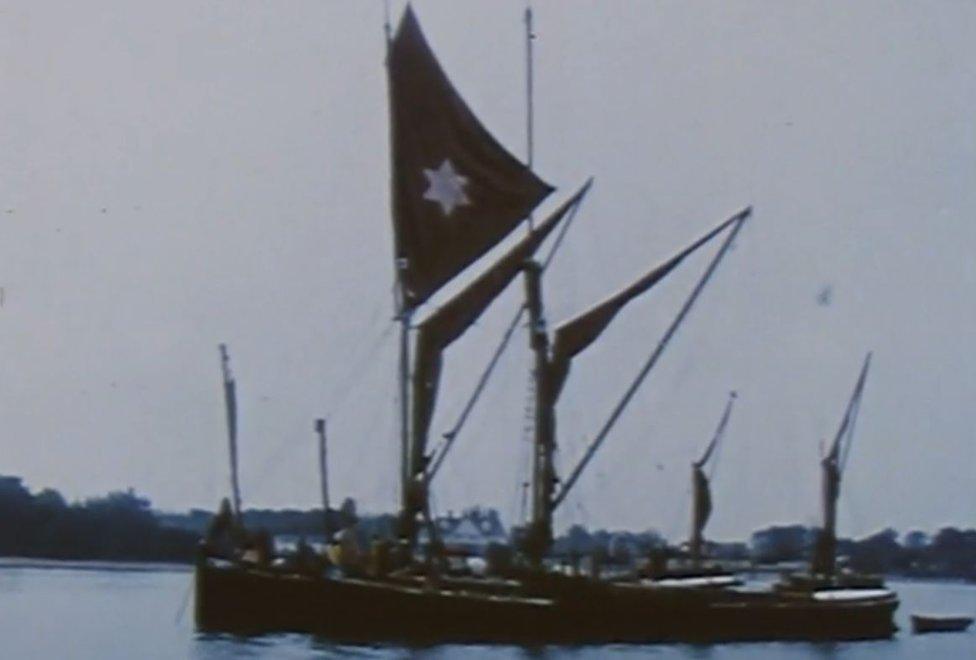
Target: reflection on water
73, 613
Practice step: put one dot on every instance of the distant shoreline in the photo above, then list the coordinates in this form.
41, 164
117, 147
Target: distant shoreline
125, 566
121, 566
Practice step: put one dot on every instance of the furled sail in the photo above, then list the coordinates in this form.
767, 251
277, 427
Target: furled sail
573, 336
832, 467
702, 494
230, 402
454, 317
702, 508
456, 191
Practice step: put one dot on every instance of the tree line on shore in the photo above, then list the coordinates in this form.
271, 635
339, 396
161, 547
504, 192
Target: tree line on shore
123, 526
119, 526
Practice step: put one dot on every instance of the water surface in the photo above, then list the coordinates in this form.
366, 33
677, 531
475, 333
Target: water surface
79, 612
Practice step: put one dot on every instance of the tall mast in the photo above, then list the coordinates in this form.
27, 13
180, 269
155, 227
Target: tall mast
230, 403
403, 314
404, 394
544, 445
324, 477
529, 118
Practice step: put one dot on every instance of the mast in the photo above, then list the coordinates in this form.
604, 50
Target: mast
230, 403
544, 444
404, 398
404, 311
456, 193
701, 507
540, 524
324, 478
832, 469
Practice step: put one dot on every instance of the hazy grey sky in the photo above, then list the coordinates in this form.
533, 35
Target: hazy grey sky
177, 174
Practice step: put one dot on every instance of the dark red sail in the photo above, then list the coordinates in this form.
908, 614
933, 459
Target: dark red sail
456, 191
573, 336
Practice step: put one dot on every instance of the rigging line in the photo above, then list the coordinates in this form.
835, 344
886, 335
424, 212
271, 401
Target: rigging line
529, 37
720, 435
853, 408
274, 458
355, 375
714, 466
451, 435
652, 360
850, 435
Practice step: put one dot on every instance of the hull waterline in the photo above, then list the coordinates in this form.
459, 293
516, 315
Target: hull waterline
560, 610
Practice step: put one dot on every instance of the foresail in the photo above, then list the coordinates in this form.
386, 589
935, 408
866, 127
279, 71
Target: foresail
456, 191
573, 336
450, 321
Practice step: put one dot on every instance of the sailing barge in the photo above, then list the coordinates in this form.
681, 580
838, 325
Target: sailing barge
456, 194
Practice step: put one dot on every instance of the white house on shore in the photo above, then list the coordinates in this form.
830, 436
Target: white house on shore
471, 532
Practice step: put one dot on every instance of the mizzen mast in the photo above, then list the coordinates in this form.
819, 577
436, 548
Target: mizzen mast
230, 403
701, 508
324, 479
832, 466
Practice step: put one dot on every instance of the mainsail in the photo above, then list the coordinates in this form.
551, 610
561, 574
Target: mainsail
451, 320
456, 191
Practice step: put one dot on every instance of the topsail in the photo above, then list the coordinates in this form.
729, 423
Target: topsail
456, 191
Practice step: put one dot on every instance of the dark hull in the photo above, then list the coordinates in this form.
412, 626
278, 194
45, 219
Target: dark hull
556, 610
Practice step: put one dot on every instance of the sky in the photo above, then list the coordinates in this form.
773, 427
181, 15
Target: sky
175, 175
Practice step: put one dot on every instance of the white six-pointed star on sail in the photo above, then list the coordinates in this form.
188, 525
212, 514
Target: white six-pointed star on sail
446, 187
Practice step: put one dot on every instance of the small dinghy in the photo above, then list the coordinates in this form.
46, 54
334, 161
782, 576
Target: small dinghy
926, 623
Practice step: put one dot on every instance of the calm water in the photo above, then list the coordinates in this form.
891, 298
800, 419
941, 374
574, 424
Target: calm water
72, 613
